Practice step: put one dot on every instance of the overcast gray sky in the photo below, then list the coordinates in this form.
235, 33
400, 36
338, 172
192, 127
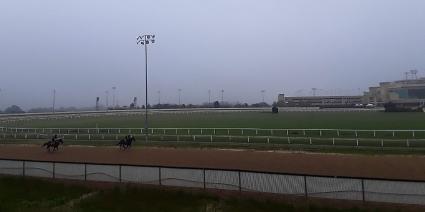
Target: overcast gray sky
84, 47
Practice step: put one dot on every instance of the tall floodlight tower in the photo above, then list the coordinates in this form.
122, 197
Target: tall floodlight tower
222, 95
209, 97
113, 96
145, 40
314, 91
54, 100
107, 99
159, 98
180, 93
97, 103
262, 94
414, 74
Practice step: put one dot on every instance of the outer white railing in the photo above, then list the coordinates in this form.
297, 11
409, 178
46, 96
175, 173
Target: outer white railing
414, 133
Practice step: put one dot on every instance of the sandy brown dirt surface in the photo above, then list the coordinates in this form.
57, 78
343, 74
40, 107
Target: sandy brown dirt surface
391, 166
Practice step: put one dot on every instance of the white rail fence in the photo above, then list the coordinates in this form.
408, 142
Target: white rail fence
228, 139
361, 189
414, 133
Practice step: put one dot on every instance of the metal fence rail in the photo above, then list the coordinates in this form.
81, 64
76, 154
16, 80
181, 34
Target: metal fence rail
228, 139
357, 133
363, 189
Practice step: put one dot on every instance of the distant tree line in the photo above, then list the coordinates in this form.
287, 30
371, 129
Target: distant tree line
14, 109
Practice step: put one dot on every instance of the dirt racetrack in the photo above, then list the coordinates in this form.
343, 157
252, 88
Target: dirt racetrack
391, 166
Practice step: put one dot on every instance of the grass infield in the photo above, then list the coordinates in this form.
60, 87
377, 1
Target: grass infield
290, 120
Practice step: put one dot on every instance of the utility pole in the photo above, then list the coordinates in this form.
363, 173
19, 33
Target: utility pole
145, 40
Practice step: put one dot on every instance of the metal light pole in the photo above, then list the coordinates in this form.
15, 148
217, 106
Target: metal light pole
113, 97
145, 40
54, 100
209, 97
159, 98
222, 95
262, 94
107, 99
180, 91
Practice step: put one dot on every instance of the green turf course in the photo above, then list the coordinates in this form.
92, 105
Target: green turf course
290, 120
33, 194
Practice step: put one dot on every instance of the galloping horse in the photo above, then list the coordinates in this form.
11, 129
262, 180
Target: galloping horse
53, 145
126, 142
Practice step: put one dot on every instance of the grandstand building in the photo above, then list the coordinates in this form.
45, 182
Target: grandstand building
319, 101
409, 92
402, 91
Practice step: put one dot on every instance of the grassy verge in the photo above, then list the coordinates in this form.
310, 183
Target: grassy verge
31, 194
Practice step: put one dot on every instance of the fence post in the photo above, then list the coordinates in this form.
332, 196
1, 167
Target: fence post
240, 183
356, 133
413, 133
289, 141
305, 187
382, 142
363, 192
54, 169
204, 179
311, 141
333, 141
407, 143
23, 168
393, 134
337, 132
320, 132
268, 140
120, 174
287, 132
159, 174
85, 171
248, 139
211, 138
357, 142
374, 133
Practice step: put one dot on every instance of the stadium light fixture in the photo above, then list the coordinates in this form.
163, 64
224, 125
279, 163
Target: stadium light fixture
145, 40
